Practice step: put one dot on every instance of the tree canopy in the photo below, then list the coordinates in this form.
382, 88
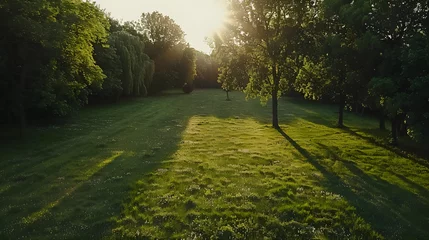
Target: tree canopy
161, 32
359, 54
47, 50
57, 56
271, 34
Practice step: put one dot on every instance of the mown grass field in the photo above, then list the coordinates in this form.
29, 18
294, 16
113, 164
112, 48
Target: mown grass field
196, 166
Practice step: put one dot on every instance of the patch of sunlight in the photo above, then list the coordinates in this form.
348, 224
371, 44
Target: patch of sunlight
236, 176
90, 172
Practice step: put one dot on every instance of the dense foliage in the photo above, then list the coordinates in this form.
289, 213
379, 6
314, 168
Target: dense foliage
46, 56
188, 66
362, 55
207, 71
57, 56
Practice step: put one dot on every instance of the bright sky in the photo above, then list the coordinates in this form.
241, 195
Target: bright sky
197, 18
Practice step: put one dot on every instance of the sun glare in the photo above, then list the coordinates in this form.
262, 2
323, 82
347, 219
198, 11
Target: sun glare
216, 15
197, 18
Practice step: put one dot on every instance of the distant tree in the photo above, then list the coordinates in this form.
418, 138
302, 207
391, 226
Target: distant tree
133, 61
233, 73
167, 70
207, 71
188, 66
128, 69
162, 33
149, 73
164, 43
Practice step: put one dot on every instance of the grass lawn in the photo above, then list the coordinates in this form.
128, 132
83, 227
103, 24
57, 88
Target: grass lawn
198, 167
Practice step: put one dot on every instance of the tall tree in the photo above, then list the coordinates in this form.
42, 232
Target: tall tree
344, 51
165, 44
128, 69
395, 23
272, 34
188, 66
342, 63
162, 33
415, 69
207, 71
109, 61
134, 63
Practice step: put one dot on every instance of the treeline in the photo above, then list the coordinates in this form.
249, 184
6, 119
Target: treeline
362, 54
57, 56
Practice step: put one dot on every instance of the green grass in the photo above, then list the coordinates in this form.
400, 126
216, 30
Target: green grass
197, 166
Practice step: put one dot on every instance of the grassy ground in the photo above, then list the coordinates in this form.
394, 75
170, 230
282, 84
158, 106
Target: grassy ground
197, 166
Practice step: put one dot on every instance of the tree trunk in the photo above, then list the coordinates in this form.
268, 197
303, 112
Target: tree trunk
227, 95
395, 131
341, 112
382, 123
275, 109
402, 126
403, 129
276, 79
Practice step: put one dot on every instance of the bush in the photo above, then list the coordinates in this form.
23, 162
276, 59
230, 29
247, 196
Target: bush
188, 88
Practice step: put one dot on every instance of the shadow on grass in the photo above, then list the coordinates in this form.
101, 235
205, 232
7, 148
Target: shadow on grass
326, 115
422, 191
71, 189
86, 205
44, 189
392, 211
400, 152
43, 156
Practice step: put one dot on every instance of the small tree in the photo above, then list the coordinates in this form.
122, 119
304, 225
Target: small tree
272, 37
233, 74
226, 80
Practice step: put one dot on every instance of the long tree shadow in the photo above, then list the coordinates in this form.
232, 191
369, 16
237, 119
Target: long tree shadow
392, 211
326, 115
422, 191
388, 147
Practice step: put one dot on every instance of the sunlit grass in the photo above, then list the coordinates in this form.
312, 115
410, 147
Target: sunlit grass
197, 166
238, 178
